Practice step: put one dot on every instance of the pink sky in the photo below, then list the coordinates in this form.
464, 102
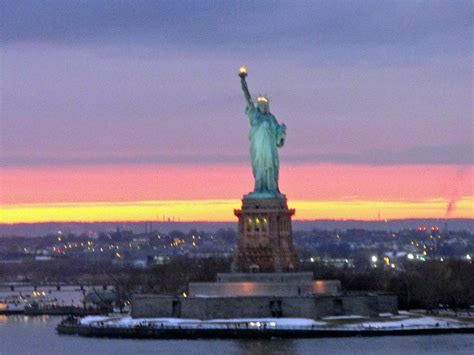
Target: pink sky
230, 181
132, 101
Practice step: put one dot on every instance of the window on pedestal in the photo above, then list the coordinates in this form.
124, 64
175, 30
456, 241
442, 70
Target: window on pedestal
264, 224
257, 224
249, 224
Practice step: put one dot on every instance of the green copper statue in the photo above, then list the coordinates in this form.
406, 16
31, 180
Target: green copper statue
266, 136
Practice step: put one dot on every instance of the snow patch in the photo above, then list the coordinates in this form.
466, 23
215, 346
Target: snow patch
283, 322
129, 322
263, 323
422, 322
91, 319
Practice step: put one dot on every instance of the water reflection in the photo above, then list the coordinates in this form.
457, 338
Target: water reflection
270, 346
43, 319
38, 336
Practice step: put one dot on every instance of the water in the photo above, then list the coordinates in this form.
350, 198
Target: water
36, 335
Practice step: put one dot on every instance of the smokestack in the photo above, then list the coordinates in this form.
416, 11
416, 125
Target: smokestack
455, 196
451, 206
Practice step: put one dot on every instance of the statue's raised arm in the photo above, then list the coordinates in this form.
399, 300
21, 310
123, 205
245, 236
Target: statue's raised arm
245, 88
266, 136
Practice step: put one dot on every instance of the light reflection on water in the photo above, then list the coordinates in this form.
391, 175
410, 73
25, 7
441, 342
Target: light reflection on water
37, 335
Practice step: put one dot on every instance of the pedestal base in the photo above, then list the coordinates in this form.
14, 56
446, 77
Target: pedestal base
264, 241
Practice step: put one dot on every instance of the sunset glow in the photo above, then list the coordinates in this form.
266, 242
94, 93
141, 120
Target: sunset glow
104, 105
211, 192
221, 210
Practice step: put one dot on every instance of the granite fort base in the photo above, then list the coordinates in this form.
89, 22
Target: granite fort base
247, 295
314, 307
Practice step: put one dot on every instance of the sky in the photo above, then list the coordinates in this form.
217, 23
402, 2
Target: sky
132, 110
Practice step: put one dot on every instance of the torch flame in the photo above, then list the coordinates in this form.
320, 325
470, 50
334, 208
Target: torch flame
243, 69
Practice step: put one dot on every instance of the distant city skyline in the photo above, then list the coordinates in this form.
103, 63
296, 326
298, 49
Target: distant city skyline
118, 102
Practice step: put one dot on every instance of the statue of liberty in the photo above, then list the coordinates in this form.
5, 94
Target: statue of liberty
265, 136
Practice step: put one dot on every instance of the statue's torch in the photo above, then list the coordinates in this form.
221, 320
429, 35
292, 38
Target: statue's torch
243, 71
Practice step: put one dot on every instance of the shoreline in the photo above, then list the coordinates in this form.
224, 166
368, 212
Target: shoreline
245, 329
189, 333
50, 311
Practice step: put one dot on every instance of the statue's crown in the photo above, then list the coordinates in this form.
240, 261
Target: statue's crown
263, 99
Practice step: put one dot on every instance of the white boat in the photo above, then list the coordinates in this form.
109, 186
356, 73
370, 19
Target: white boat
18, 303
13, 304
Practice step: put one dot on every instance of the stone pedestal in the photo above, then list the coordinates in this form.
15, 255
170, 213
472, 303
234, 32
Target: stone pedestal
264, 241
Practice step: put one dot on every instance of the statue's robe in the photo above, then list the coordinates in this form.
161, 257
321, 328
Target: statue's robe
265, 136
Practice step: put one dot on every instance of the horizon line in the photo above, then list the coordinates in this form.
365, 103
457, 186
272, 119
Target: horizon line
235, 221
221, 210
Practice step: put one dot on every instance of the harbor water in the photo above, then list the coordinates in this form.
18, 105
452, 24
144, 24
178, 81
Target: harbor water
37, 335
